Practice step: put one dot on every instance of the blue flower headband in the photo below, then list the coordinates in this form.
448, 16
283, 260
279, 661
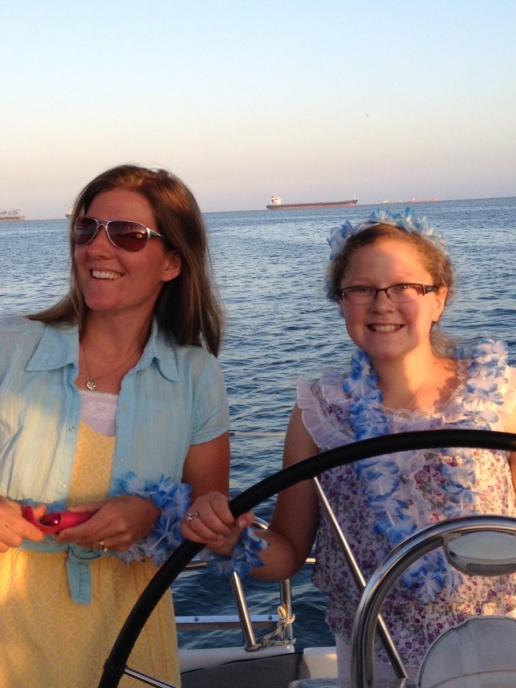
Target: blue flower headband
406, 220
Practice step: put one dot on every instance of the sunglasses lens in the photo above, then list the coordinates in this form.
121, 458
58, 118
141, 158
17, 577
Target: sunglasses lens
131, 236
84, 230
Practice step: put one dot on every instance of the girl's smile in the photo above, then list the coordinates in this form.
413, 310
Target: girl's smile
382, 327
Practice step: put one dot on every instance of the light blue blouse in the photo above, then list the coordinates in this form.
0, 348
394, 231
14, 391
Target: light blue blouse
172, 398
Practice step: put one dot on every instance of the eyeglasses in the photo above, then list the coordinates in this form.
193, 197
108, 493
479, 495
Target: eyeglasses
398, 293
124, 234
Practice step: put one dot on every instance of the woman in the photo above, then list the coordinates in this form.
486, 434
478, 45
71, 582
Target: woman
392, 278
111, 403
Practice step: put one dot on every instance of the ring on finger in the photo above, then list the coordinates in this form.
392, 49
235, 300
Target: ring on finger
191, 515
102, 546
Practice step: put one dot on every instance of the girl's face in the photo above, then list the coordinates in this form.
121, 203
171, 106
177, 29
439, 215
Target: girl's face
114, 280
384, 329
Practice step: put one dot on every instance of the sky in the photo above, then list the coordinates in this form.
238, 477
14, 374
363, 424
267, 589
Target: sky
243, 99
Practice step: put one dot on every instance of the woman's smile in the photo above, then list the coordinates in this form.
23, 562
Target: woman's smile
116, 280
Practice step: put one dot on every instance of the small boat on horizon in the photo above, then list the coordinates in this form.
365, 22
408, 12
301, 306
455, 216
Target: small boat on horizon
11, 216
276, 204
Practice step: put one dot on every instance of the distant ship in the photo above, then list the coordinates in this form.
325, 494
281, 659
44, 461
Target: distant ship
276, 204
11, 216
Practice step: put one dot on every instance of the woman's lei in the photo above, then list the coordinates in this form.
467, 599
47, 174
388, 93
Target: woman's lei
173, 499
389, 491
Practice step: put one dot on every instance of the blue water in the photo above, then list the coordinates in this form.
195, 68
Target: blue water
270, 272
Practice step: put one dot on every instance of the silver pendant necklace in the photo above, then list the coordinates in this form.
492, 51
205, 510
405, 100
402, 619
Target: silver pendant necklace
91, 383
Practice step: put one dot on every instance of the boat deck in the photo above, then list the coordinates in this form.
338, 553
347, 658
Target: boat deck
261, 672
283, 671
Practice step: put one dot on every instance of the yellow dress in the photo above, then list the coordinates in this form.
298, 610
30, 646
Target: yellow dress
49, 641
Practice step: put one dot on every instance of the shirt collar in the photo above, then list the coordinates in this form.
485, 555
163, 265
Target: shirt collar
159, 347
59, 347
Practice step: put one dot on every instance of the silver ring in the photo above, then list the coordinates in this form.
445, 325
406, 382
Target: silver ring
102, 546
191, 515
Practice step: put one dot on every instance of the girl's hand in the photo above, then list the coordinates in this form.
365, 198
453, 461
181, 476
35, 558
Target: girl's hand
209, 521
14, 528
117, 523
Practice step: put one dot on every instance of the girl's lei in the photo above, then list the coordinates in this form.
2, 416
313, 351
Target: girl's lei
387, 487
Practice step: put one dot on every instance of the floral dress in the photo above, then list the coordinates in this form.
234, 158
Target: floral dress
380, 501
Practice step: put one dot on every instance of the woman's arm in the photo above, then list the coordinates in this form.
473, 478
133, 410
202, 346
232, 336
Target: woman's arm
13, 527
295, 519
206, 467
121, 521
293, 525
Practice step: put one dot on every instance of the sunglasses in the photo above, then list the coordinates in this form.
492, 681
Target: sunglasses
124, 234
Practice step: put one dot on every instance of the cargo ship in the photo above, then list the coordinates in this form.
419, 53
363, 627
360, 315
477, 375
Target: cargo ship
276, 204
11, 216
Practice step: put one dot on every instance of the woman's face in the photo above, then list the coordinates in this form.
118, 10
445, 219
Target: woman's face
384, 329
117, 281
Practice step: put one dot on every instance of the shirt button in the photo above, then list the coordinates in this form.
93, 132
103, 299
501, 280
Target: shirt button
71, 428
120, 461
124, 407
62, 485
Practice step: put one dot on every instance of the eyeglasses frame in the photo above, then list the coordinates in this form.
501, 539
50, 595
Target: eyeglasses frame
425, 289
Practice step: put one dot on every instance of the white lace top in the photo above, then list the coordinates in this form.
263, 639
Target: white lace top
98, 410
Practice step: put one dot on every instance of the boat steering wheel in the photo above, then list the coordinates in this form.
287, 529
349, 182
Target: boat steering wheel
116, 663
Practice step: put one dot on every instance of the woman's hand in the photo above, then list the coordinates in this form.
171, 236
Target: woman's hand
13, 527
209, 521
117, 523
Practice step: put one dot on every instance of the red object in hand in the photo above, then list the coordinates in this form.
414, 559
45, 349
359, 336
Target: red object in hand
56, 521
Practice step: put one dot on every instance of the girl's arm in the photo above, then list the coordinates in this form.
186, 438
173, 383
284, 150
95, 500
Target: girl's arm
511, 427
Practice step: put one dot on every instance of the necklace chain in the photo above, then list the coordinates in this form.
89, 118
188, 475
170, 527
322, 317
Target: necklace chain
91, 383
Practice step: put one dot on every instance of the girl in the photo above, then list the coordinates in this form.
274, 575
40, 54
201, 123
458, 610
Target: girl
392, 278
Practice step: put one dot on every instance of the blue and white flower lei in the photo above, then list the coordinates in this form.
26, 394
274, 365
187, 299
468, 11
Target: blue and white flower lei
173, 499
389, 492
244, 557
